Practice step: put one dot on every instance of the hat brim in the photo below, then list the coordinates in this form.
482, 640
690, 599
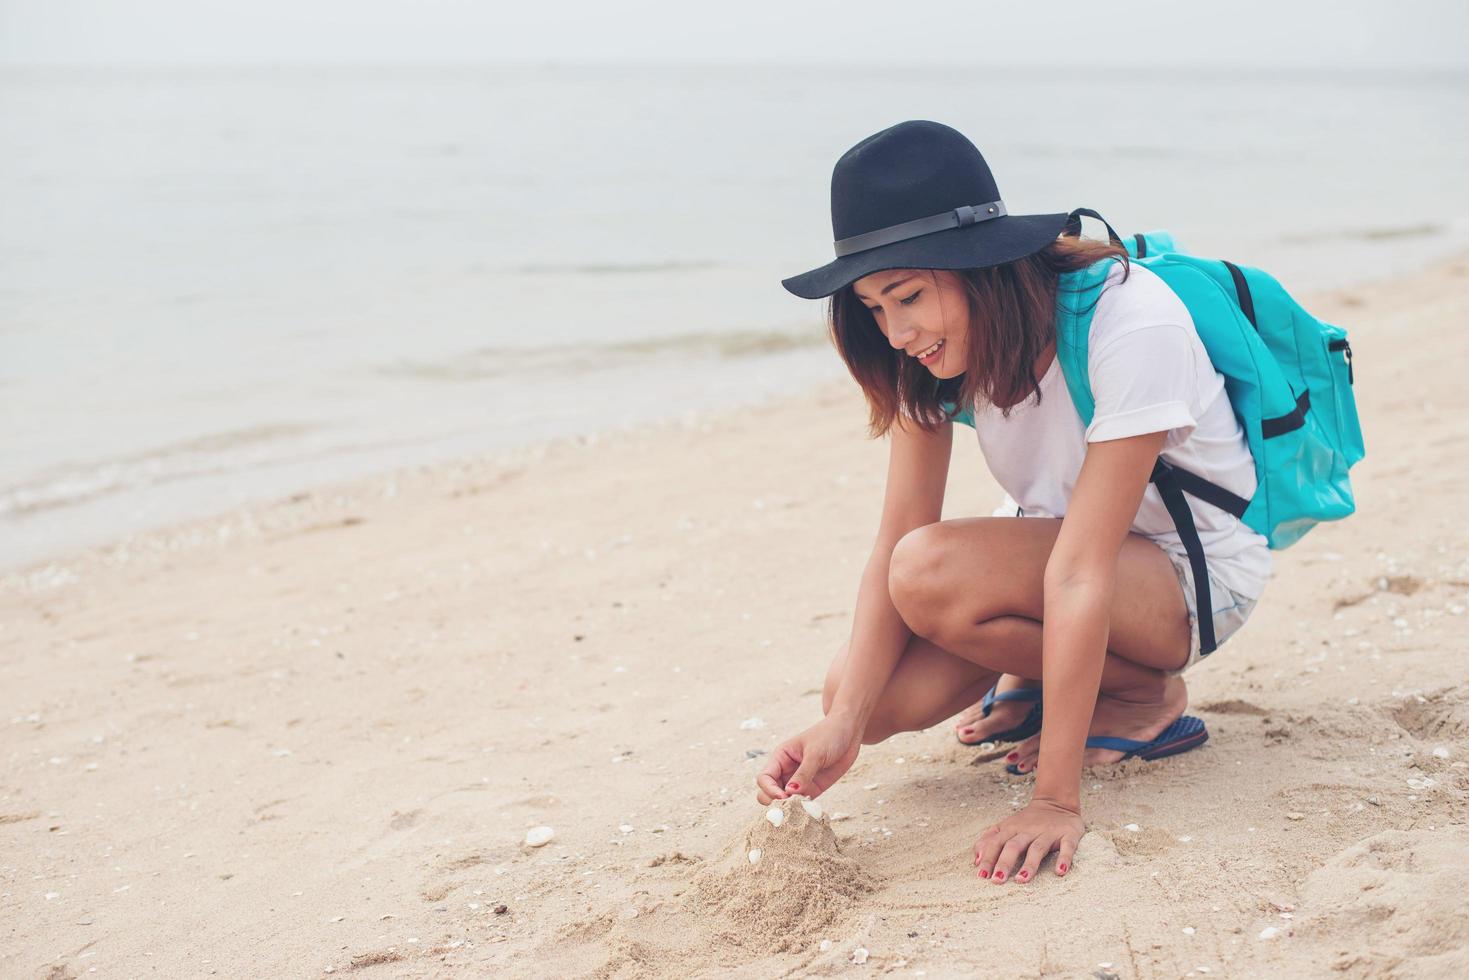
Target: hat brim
977, 246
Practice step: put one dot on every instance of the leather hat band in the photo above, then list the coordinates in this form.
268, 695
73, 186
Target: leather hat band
969, 214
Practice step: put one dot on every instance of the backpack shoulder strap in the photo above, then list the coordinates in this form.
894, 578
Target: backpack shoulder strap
1076, 300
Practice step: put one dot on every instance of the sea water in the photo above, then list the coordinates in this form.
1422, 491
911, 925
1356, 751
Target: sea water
219, 285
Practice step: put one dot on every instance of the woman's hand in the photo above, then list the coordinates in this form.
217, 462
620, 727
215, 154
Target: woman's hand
812, 761
1042, 827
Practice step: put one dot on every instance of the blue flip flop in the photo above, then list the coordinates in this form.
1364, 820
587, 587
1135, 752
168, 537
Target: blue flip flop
1028, 726
1186, 732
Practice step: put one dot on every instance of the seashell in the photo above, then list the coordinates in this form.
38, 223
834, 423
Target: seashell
755, 855
776, 816
1269, 932
751, 724
1441, 752
1295, 815
825, 946
1131, 827
538, 836
625, 828
812, 808
859, 955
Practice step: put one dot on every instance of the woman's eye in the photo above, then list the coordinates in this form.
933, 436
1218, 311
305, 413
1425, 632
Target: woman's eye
911, 299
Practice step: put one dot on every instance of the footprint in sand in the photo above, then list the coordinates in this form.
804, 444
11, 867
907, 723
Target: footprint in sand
1393, 905
1439, 717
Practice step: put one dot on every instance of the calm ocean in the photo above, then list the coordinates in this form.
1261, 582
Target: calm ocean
227, 284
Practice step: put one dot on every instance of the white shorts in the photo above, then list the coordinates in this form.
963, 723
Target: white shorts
1230, 608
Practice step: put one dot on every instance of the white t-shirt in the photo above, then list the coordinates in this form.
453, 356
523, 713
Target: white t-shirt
1149, 373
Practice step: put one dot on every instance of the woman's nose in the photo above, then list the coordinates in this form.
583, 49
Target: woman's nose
900, 335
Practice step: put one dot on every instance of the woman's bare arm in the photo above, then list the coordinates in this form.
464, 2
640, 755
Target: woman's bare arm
1079, 580
809, 763
918, 469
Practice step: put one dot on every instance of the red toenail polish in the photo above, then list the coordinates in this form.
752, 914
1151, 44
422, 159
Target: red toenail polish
1023, 875
967, 731
793, 787
1062, 869
983, 873
1012, 756
999, 876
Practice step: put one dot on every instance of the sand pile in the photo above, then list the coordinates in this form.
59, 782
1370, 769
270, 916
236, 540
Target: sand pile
781, 884
1393, 905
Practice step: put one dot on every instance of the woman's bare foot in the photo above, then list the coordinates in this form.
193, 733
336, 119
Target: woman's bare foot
1139, 714
973, 727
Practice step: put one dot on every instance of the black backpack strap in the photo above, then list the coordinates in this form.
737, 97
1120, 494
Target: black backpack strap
1242, 293
1166, 479
1210, 493
1073, 224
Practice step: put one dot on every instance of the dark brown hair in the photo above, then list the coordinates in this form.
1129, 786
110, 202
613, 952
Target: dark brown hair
1012, 319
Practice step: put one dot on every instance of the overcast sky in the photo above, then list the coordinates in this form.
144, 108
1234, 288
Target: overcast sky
1315, 33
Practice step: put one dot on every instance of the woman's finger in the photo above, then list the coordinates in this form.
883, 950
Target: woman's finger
1010, 856
804, 779
1034, 855
782, 761
1067, 852
768, 789
989, 851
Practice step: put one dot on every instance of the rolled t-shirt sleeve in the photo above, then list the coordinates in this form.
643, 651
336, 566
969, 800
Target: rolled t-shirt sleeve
1144, 380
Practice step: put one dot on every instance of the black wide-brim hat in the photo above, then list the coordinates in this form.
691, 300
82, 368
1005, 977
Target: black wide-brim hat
919, 195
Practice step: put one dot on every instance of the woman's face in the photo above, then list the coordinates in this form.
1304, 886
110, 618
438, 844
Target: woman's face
917, 309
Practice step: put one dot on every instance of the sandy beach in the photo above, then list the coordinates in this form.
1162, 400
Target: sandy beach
310, 737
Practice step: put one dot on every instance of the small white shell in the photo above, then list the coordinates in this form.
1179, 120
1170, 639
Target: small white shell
812, 808
1269, 932
776, 816
1131, 827
755, 855
859, 955
625, 828
538, 836
825, 946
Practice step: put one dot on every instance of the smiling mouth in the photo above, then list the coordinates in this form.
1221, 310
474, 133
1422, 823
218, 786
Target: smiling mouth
925, 355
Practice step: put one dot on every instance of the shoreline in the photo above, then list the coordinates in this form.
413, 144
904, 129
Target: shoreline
516, 454
310, 736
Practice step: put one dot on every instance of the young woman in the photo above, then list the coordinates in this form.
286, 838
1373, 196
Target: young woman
939, 297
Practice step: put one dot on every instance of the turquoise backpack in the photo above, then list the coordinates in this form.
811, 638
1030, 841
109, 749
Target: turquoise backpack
1288, 376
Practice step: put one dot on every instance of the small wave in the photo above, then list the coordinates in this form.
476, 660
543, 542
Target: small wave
611, 268
75, 483
493, 362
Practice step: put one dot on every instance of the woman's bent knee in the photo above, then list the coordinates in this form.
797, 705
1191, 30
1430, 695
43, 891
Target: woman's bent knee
915, 576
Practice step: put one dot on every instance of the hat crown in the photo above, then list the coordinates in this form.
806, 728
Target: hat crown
912, 170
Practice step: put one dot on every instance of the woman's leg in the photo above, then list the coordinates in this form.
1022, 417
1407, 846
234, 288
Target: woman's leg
971, 590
